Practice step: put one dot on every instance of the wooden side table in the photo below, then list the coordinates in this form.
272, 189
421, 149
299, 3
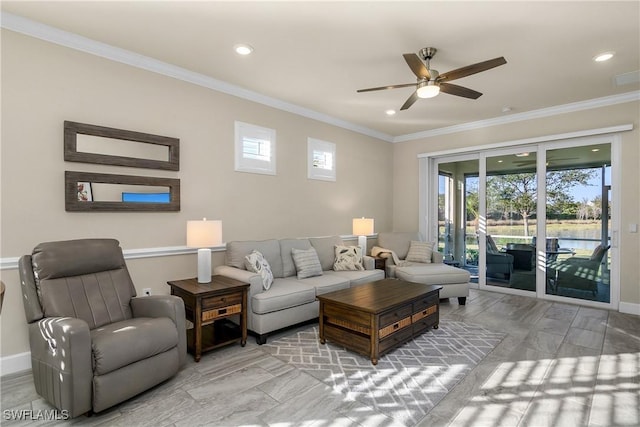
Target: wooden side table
209, 306
379, 262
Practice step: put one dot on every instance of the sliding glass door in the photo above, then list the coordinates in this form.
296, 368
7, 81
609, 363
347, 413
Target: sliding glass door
511, 206
578, 224
531, 219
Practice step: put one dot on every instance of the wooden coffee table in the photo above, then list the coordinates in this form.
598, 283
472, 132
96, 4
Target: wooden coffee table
376, 317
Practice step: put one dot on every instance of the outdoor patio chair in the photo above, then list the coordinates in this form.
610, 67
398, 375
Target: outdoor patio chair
577, 272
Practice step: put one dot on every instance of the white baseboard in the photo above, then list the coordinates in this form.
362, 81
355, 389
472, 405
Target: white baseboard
629, 308
15, 363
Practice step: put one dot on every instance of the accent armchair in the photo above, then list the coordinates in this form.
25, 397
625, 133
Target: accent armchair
577, 272
94, 343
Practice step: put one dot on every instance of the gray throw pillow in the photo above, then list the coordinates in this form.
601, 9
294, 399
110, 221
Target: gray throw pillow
307, 262
256, 263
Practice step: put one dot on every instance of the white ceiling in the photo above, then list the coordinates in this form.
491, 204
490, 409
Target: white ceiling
317, 54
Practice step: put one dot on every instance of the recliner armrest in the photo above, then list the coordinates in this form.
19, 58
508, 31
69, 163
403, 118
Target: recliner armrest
61, 362
164, 306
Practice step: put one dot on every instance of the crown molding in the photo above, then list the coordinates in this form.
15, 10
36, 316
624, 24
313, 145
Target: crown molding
528, 115
54, 35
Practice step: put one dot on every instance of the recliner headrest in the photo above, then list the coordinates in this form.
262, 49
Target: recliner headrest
68, 258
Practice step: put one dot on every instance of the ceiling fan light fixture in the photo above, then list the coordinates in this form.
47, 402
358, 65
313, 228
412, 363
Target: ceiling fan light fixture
428, 89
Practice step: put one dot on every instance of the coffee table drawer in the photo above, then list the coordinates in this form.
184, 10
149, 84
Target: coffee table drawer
425, 302
394, 327
394, 340
395, 316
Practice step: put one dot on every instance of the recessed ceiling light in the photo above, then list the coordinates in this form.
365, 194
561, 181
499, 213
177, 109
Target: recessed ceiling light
506, 109
390, 112
525, 154
605, 56
595, 150
243, 49
500, 161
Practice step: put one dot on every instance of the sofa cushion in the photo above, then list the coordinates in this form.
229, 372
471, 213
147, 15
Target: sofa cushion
432, 274
348, 258
398, 242
327, 283
325, 247
307, 263
284, 293
358, 277
256, 263
121, 343
288, 266
270, 249
420, 252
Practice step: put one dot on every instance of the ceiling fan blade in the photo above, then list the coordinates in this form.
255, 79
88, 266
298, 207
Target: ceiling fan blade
465, 92
409, 102
386, 87
472, 69
417, 66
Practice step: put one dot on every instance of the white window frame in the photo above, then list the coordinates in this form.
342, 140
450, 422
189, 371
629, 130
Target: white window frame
245, 132
321, 173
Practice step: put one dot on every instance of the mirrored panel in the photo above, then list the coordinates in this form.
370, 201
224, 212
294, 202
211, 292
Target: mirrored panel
98, 144
86, 191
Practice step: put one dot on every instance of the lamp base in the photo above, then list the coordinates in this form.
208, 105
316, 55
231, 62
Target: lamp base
362, 242
204, 265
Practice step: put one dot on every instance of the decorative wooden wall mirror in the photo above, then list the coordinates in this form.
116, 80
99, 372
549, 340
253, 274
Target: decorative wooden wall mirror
108, 146
87, 191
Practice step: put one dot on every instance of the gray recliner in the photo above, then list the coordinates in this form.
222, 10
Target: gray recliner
94, 343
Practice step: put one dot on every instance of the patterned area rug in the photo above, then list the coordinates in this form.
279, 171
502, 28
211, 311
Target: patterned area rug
407, 382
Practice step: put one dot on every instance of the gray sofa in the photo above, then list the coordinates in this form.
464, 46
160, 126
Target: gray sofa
93, 342
289, 300
454, 281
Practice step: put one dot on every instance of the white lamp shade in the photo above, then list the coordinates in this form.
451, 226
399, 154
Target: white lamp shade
362, 226
204, 234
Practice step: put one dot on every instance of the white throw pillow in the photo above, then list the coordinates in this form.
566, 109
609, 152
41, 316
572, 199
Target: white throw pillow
256, 263
420, 252
348, 258
307, 262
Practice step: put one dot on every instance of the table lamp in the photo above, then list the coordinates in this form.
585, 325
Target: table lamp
203, 235
362, 227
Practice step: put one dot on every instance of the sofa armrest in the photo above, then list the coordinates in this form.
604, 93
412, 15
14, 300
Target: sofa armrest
437, 257
61, 363
253, 279
164, 306
368, 262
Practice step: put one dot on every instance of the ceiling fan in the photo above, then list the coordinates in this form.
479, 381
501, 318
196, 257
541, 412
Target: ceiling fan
430, 82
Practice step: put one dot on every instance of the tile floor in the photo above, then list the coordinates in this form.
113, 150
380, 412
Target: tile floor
559, 365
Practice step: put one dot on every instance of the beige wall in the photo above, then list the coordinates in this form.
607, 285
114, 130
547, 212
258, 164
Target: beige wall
44, 84
405, 176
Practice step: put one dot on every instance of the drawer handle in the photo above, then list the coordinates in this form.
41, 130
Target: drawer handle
222, 311
424, 312
396, 326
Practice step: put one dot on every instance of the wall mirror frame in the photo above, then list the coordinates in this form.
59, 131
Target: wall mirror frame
74, 204
71, 153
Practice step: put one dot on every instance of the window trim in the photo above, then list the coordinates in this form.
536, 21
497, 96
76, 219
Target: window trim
321, 174
244, 164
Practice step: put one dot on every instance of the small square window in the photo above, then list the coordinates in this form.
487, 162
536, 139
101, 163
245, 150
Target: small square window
255, 149
321, 163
